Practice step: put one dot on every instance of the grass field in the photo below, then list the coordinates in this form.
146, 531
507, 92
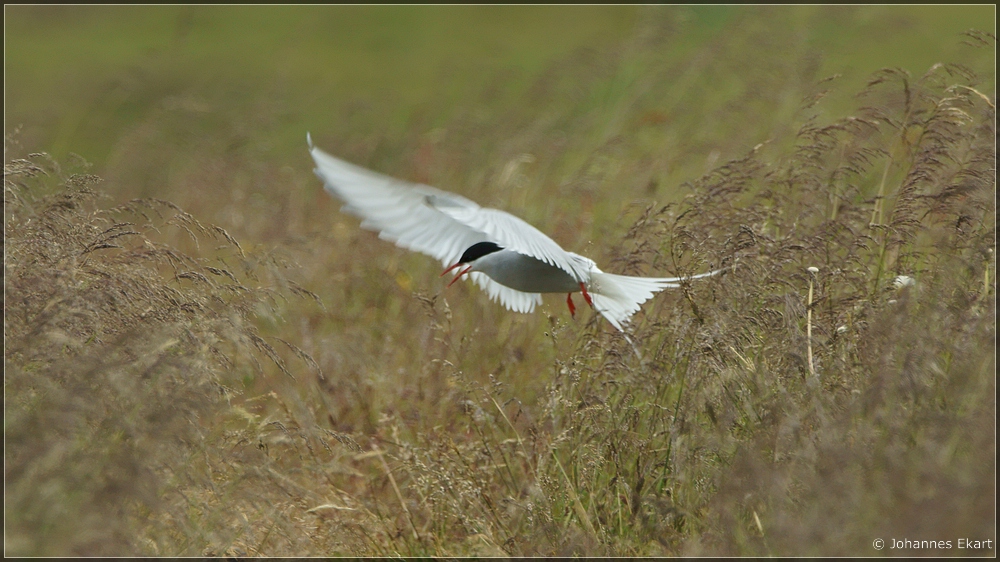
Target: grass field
202, 356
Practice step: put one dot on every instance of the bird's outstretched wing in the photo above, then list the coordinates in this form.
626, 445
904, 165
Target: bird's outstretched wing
438, 223
400, 212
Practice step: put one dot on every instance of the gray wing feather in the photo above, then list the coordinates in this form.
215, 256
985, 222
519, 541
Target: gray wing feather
399, 211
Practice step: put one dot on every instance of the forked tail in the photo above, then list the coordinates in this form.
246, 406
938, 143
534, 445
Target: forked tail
618, 297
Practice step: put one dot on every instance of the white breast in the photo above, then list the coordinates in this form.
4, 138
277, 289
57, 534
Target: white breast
525, 273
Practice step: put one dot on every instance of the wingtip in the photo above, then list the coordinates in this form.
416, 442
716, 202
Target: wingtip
309, 140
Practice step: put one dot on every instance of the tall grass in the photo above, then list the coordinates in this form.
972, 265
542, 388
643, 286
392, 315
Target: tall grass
123, 356
171, 391
723, 441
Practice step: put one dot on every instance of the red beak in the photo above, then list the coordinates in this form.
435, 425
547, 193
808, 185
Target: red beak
463, 272
445, 272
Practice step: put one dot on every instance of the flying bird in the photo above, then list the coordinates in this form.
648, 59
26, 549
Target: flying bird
508, 258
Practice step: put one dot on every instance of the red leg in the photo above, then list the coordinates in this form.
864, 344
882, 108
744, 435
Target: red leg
569, 301
586, 295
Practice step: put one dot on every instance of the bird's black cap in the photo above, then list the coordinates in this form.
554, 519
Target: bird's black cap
478, 250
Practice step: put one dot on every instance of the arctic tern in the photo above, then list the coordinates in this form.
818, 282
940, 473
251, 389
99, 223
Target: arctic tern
508, 258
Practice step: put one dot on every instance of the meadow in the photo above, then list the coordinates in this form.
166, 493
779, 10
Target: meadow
203, 356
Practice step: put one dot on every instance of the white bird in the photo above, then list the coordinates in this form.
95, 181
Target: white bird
508, 258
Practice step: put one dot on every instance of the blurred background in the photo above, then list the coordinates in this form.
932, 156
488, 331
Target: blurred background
158, 97
565, 116
575, 118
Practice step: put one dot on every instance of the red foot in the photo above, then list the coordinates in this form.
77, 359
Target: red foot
569, 301
586, 295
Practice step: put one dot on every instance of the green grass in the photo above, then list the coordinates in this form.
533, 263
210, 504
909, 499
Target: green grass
286, 384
